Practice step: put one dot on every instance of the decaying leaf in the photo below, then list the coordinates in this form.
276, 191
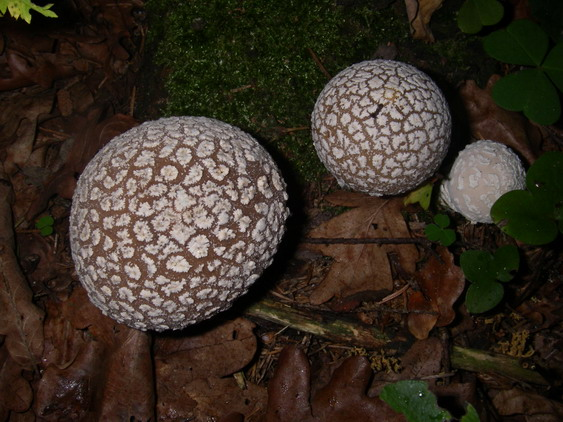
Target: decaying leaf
343, 399
489, 121
190, 370
361, 268
419, 13
94, 368
21, 321
536, 407
15, 392
441, 283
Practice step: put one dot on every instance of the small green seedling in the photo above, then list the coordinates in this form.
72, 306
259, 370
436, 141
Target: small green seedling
422, 195
418, 404
533, 89
486, 272
474, 14
535, 215
45, 225
21, 9
439, 232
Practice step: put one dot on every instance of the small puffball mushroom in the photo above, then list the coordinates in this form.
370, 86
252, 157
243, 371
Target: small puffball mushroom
174, 219
381, 127
481, 173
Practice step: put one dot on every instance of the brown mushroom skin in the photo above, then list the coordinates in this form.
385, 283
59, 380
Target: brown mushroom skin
174, 219
381, 127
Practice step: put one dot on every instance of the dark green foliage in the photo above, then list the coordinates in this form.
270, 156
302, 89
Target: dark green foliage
418, 404
438, 232
535, 215
474, 14
252, 64
45, 225
485, 270
533, 90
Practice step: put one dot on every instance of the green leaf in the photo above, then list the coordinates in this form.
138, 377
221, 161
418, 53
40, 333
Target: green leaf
549, 14
506, 261
477, 266
545, 176
523, 42
529, 91
525, 217
474, 14
414, 400
45, 221
471, 414
442, 220
421, 195
553, 65
46, 231
21, 8
483, 296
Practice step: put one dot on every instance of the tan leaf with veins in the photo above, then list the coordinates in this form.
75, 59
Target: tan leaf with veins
441, 283
419, 13
361, 268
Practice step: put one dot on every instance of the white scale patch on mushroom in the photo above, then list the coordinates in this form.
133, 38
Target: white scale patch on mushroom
381, 127
174, 219
481, 173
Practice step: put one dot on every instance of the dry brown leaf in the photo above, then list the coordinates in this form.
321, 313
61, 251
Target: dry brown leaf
217, 397
28, 110
21, 321
343, 399
361, 268
489, 121
441, 283
186, 364
534, 406
15, 392
94, 368
419, 13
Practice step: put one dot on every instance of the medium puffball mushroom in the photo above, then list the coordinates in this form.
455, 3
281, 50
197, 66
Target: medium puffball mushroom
381, 127
174, 219
481, 173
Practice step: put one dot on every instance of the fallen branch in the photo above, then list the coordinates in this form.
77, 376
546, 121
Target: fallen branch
339, 330
348, 331
481, 361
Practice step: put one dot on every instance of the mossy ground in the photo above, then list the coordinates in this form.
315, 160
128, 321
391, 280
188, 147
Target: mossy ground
253, 63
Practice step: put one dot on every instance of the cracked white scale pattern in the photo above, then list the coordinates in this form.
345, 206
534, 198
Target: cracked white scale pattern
381, 127
482, 172
174, 219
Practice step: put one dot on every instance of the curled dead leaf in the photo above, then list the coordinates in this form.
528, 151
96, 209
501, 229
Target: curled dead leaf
21, 321
441, 283
343, 399
419, 13
359, 267
489, 121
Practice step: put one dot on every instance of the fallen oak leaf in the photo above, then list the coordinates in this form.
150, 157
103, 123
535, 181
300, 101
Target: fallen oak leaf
362, 267
487, 120
192, 367
21, 321
16, 394
441, 283
419, 13
94, 368
343, 399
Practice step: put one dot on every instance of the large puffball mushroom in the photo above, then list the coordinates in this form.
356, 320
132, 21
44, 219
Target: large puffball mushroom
481, 173
174, 219
381, 127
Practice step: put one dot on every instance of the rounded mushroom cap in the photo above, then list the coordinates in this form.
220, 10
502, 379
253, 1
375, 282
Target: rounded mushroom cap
481, 173
381, 127
174, 219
